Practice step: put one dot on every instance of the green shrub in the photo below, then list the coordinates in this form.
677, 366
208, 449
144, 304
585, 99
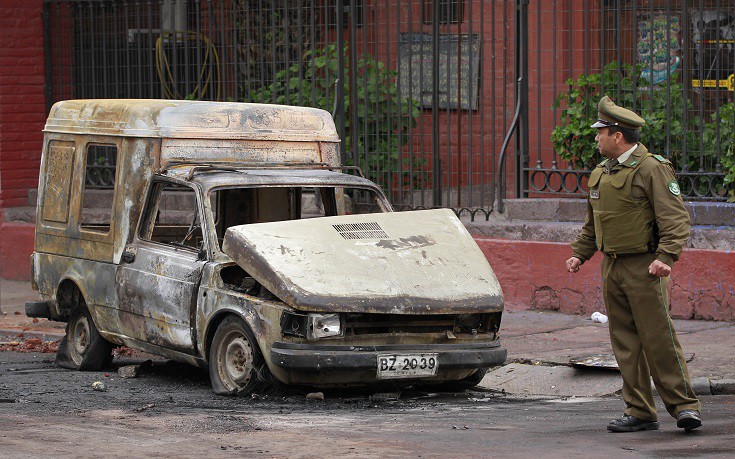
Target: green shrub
662, 108
383, 118
726, 124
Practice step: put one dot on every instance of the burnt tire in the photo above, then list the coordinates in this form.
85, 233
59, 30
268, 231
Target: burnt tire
236, 365
83, 348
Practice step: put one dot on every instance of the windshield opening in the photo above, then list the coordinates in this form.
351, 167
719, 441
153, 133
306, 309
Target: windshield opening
248, 205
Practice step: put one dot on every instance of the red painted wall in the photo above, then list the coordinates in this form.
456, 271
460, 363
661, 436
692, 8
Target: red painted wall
533, 276
22, 102
22, 117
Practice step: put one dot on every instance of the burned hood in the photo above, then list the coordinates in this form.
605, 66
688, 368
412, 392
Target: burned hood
398, 262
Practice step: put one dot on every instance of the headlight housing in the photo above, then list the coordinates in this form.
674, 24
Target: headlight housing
323, 326
312, 326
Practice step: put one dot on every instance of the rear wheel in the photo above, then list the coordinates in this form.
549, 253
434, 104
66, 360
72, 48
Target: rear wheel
236, 365
83, 348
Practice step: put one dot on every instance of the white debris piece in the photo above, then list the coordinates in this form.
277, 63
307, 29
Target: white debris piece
599, 317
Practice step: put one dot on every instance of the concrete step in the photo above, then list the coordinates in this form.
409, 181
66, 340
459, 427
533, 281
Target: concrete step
20, 214
574, 210
706, 237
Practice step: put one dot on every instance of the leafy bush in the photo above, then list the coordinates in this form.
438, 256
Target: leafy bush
662, 108
383, 117
726, 124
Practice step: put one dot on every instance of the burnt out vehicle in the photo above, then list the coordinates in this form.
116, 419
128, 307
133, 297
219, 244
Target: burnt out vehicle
227, 235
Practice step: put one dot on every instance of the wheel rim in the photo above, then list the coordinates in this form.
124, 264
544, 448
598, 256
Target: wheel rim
237, 361
80, 339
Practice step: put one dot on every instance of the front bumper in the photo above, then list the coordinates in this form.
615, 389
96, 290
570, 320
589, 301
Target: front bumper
310, 357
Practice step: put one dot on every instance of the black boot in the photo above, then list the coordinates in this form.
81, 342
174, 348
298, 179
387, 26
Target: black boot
688, 420
631, 424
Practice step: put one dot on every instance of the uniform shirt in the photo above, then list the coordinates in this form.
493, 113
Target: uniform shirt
624, 157
653, 181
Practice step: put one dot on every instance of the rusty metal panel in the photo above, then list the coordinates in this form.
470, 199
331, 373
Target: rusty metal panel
139, 159
55, 204
187, 119
135, 168
95, 280
244, 152
262, 316
156, 293
407, 262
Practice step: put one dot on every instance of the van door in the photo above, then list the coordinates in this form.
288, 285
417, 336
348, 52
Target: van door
158, 277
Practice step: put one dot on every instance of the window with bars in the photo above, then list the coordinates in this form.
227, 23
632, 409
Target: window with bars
450, 11
358, 15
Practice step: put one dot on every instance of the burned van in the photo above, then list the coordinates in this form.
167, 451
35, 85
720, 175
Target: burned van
228, 236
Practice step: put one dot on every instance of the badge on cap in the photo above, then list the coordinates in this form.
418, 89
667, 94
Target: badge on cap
674, 188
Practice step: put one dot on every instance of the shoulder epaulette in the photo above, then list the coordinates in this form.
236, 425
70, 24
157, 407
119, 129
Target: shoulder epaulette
661, 159
603, 162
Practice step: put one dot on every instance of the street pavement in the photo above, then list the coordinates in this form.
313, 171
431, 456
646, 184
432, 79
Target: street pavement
540, 346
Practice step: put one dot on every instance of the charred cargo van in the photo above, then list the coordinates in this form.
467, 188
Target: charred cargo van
227, 235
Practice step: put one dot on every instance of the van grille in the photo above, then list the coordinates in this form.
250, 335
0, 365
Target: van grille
367, 230
369, 324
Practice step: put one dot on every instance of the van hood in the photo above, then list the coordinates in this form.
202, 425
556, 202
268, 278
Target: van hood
397, 262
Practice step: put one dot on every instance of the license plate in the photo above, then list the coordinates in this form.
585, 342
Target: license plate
394, 366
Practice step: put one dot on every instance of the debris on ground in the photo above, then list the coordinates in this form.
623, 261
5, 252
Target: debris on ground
384, 396
122, 351
129, 371
133, 371
99, 386
599, 317
145, 407
21, 344
315, 396
598, 361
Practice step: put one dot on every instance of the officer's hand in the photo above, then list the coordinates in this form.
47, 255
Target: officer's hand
573, 264
659, 268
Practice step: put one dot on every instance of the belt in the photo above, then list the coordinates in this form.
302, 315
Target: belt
623, 255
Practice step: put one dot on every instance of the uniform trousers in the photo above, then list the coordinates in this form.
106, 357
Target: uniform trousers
643, 337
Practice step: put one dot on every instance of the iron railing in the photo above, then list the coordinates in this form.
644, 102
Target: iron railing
456, 112
672, 62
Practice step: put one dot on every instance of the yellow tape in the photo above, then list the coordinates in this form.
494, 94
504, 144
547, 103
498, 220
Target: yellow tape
729, 84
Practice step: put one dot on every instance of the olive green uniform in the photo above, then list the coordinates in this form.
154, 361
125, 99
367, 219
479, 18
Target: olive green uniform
635, 215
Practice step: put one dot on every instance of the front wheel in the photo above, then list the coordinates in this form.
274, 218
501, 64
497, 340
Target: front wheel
83, 348
236, 365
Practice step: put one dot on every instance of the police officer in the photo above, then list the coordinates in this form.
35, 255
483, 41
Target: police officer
637, 219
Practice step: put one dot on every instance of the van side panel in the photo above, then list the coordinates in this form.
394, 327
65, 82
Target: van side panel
61, 195
98, 290
63, 235
140, 161
66, 250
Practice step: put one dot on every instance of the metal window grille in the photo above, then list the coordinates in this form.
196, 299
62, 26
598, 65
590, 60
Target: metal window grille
447, 113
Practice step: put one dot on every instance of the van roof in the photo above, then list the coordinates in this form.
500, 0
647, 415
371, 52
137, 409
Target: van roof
190, 119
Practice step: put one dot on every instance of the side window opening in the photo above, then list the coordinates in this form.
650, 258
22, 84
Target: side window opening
99, 187
172, 216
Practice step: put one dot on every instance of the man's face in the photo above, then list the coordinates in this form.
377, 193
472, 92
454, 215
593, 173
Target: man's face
607, 143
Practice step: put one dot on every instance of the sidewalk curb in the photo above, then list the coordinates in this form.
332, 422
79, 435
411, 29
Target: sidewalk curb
722, 386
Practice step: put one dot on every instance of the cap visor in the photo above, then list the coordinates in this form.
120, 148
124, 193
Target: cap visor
600, 125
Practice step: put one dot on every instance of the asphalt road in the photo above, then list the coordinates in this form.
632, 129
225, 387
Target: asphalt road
170, 411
